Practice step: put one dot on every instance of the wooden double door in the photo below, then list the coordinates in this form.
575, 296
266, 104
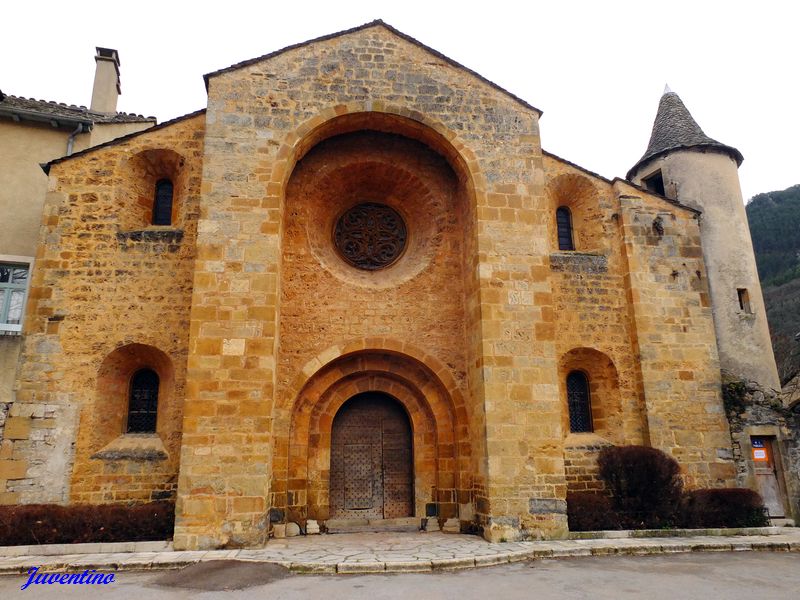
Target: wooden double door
371, 460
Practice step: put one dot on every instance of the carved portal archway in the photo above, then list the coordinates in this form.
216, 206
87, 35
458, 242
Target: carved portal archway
439, 440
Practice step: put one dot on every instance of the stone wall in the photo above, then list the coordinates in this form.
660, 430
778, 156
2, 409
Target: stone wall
267, 331
753, 410
324, 300
10, 346
674, 336
709, 182
106, 282
580, 460
593, 315
262, 118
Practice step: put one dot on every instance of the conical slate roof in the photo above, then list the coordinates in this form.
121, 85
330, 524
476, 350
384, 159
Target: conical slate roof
675, 129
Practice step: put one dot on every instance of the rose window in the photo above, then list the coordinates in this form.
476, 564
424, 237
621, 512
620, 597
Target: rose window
370, 236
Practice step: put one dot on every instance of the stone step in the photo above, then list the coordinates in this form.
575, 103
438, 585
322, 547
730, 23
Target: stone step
372, 525
782, 522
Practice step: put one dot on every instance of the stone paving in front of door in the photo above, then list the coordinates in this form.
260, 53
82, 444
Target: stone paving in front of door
396, 552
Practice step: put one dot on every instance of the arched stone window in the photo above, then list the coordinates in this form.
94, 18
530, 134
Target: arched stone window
162, 203
143, 402
564, 227
580, 409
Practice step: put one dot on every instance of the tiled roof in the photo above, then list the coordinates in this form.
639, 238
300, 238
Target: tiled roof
55, 111
675, 129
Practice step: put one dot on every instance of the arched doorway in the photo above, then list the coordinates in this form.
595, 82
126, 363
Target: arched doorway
371, 459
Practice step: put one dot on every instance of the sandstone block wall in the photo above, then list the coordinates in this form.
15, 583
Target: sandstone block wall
325, 301
262, 118
105, 280
674, 336
266, 332
593, 315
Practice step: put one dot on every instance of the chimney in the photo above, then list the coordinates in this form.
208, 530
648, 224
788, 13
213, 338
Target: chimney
106, 81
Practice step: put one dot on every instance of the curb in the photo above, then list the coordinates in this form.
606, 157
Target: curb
622, 534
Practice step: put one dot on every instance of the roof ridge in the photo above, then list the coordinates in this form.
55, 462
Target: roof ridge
46, 166
374, 23
77, 108
55, 102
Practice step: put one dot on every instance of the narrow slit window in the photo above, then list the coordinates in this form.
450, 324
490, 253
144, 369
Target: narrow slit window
143, 402
564, 227
744, 300
578, 402
162, 204
655, 183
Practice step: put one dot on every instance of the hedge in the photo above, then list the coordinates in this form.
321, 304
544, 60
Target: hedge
591, 511
723, 507
645, 485
646, 493
55, 524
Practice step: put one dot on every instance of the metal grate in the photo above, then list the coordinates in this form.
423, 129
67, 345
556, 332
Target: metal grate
370, 236
580, 412
162, 206
143, 402
564, 226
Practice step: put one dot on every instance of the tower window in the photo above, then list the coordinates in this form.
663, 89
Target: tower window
564, 227
744, 300
162, 203
143, 402
578, 403
655, 183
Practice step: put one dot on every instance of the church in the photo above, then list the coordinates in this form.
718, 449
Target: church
356, 289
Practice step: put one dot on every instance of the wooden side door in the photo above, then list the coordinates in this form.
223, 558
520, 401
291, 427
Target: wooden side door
766, 472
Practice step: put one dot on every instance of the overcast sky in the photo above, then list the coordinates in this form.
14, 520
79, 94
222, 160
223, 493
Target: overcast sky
596, 69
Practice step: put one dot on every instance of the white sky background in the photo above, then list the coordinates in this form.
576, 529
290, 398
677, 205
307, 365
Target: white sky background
596, 69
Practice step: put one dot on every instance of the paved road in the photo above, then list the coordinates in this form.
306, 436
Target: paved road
706, 576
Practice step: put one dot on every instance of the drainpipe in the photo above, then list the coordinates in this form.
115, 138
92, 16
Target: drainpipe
71, 139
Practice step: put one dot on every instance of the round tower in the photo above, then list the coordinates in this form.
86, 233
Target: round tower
684, 164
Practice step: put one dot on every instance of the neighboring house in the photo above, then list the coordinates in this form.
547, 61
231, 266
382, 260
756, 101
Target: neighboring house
355, 287
33, 132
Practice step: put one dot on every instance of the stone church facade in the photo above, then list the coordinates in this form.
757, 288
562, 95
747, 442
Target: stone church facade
356, 286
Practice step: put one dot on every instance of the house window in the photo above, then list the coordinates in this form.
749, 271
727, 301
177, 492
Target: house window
143, 402
744, 300
13, 286
564, 226
162, 204
580, 410
655, 183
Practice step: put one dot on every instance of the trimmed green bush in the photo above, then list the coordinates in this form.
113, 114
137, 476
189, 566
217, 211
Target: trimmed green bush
722, 507
55, 524
591, 511
645, 485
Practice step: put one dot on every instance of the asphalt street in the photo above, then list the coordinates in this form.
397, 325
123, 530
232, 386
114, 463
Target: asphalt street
706, 576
